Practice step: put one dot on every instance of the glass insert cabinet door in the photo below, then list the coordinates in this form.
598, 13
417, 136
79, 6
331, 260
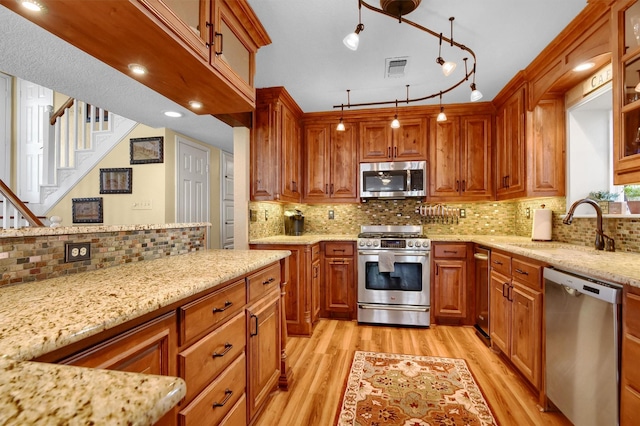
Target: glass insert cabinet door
626, 97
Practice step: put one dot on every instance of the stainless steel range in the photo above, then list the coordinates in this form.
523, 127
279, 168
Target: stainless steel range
393, 275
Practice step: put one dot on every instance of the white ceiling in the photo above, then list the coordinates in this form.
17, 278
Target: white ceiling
308, 58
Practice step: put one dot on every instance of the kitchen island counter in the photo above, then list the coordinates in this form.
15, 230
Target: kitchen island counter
303, 239
40, 317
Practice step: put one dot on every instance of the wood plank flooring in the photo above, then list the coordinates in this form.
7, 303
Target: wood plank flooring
321, 363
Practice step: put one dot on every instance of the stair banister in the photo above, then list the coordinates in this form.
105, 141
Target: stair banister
19, 206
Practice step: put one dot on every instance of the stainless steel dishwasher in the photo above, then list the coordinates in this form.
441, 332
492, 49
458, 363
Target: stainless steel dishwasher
582, 318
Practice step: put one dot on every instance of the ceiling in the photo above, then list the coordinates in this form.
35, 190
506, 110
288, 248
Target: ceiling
308, 58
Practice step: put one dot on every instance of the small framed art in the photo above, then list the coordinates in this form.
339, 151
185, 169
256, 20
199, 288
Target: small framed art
115, 181
146, 150
86, 210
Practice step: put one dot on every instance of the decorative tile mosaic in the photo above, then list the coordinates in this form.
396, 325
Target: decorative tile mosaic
32, 258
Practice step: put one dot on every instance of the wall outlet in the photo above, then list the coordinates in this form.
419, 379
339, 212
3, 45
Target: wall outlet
331, 215
527, 212
266, 215
463, 213
76, 252
253, 215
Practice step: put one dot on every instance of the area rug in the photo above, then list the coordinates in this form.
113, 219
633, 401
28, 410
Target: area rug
408, 390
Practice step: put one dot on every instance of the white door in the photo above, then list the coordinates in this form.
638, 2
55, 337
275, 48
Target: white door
34, 103
227, 222
5, 126
193, 182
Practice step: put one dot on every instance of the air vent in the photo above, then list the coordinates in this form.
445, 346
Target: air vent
396, 67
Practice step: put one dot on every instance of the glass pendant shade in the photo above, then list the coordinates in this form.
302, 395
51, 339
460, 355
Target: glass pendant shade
637, 88
448, 67
395, 124
442, 116
351, 41
340, 127
476, 95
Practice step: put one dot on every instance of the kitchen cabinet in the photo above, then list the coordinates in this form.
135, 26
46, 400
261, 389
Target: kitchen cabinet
330, 163
626, 102
301, 302
530, 148
379, 142
510, 146
515, 313
451, 288
275, 147
460, 158
339, 280
630, 373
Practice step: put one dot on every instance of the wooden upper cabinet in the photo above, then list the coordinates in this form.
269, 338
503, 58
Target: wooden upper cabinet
379, 142
330, 163
460, 158
546, 149
510, 147
626, 103
275, 147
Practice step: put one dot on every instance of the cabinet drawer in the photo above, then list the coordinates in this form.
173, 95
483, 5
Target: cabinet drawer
238, 414
217, 400
202, 315
629, 407
632, 314
630, 355
204, 360
338, 249
501, 263
526, 273
450, 251
264, 281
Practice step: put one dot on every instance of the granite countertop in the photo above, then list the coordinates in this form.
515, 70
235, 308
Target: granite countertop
617, 267
38, 231
39, 317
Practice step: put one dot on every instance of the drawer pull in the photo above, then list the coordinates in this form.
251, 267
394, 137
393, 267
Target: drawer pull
227, 305
520, 271
227, 348
269, 281
497, 262
228, 393
451, 251
340, 250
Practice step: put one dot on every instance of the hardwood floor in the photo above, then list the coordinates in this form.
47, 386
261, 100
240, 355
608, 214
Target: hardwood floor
321, 363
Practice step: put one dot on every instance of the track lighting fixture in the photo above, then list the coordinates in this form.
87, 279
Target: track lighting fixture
353, 40
390, 8
442, 116
395, 124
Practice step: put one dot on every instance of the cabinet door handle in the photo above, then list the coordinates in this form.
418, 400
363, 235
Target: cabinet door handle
437, 269
457, 185
506, 179
255, 317
520, 271
389, 152
464, 185
326, 189
395, 151
509, 296
228, 392
504, 290
221, 43
210, 42
316, 270
227, 305
269, 281
227, 348
294, 184
331, 188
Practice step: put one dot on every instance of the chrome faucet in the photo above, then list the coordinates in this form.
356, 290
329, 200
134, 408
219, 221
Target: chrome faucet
603, 242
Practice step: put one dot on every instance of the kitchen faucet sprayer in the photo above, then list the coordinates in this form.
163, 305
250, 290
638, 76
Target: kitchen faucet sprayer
603, 242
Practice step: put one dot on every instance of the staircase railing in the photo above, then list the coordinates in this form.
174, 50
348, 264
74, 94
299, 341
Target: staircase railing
72, 128
14, 210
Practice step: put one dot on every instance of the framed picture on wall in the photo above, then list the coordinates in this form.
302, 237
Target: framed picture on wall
146, 150
86, 210
116, 181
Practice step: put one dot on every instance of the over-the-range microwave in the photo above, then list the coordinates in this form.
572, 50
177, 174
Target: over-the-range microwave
398, 179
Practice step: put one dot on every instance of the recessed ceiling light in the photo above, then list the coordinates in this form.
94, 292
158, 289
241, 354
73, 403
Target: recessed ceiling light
31, 5
584, 66
195, 104
137, 69
173, 114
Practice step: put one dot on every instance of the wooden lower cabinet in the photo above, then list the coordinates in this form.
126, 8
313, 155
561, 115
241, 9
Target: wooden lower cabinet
515, 321
630, 373
263, 359
300, 306
450, 301
339, 279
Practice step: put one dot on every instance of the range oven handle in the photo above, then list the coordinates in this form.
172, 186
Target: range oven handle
394, 307
404, 253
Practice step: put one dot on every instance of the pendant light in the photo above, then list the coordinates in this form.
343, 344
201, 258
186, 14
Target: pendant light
395, 124
442, 116
447, 66
353, 40
340, 127
476, 95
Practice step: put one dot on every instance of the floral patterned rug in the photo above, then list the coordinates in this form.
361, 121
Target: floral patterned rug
408, 390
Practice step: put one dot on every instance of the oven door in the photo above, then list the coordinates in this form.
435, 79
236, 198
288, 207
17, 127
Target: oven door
408, 284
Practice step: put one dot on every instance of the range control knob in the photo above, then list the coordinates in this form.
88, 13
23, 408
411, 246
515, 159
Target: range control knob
410, 243
418, 244
361, 243
376, 244
368, 243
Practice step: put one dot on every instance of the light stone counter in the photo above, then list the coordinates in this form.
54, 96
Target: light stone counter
38, 231
39, 317
303, 239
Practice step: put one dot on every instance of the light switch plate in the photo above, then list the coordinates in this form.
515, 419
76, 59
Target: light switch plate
76, 252
463, 213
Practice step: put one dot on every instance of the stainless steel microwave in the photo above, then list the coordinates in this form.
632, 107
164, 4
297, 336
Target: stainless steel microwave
399, 179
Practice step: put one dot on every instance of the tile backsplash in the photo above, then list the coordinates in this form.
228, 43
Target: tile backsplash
482, 218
